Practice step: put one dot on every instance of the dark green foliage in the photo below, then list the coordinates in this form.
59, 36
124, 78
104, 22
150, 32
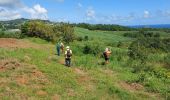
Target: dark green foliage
67, 33
157, 35
137, 50
86, 38
79, 38
37, 28
104, 27
146, 44
166, 44
17, 35
119, 44
167, 61
141, 33
94, 48
131, 34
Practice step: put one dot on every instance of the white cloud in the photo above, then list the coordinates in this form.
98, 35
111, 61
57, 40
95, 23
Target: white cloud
39, 9
14, 9
37, 12
146, 14
9, 15
11, 3
90, 14
167, 13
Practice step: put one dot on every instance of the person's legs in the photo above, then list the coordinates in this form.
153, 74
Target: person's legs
106, 60
62, 49
69, 62
58, 51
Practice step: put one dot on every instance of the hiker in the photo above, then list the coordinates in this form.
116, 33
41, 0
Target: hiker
68, 54
107, 54
58, 48
62, 47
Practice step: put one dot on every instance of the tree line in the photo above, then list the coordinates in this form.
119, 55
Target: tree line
103, 27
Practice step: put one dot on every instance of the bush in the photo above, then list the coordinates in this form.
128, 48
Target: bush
167, 61
120, 44
94, 48
79, 38
131, 35
67, 33
137, 51
86, 38
17, 35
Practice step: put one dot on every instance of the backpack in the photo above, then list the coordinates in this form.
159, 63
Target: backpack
69, 54
104, 54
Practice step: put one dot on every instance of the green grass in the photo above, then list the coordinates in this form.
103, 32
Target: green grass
104, 36
87, 79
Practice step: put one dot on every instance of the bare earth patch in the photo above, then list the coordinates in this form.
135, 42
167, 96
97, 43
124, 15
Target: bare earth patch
9, 64
13, 43
19, 75
22, 80
84, 79
41, 93
17, 43
132, 86
56, 97
71, 92
62, 62
79, 71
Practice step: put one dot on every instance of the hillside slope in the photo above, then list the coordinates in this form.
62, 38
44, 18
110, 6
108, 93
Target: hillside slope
29, 69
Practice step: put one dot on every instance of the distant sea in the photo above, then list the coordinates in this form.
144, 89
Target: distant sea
151, 26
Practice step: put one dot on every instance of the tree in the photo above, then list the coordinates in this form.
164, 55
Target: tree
67, 33
37, 28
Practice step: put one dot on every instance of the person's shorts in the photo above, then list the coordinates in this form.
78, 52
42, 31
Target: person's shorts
67, 58
106, 59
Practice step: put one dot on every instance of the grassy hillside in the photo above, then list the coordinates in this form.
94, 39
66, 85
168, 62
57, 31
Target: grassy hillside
29, 69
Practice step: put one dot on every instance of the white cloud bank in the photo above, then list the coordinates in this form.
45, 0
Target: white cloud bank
37, 12
6, 14
13, 9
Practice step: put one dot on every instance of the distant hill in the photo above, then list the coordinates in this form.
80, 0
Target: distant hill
20, 21
151, 26
16, 23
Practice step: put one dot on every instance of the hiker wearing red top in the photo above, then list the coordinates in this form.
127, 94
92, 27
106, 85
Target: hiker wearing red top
106, 55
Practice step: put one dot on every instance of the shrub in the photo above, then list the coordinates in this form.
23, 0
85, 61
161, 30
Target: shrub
86, 38
119, 44
94, 48
17, 35
67, 33
79, 38
167, 61
137, 51
131, 35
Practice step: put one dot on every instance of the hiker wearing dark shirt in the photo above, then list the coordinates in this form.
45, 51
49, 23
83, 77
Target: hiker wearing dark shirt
68, 54
58, 48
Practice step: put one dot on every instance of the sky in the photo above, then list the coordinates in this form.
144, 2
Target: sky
122, 12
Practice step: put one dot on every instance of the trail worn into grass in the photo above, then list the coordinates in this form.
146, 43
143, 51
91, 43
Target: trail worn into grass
40, 74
